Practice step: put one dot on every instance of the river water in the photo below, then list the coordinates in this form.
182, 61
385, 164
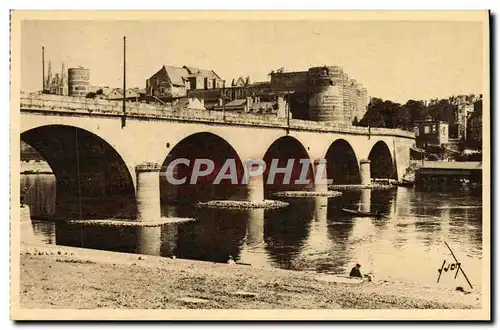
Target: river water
406, 244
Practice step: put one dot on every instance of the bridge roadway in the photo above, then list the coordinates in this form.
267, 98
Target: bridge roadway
117, 154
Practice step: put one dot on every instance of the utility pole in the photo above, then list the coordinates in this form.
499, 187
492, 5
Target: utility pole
124, 80
224, 100
43, 69
287, 105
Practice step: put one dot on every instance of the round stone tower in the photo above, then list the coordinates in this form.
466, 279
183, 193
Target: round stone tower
326, 102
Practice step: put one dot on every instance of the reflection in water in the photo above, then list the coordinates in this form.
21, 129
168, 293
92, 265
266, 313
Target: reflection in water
252, 251
310, 234
402, 201
123, 239
317, 247
255, 227
169, 234
360, 244
320, 209
41, 196
366, 199
285, 231
318, 238
149, 240
214, 236
45, 231
382, 201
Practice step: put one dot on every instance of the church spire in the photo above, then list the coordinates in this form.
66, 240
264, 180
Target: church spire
63, 75
63, 71
63, 82
49, 76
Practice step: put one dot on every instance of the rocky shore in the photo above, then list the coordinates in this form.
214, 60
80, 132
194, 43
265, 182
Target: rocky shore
376, 186
66, 277
130, 223
227, 204
330, 193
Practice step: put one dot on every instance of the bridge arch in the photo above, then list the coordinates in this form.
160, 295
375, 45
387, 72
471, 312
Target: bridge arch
200, 145
342, 163
381, 163
92, 179
283, 150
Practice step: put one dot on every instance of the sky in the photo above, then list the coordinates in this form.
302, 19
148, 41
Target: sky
394, 60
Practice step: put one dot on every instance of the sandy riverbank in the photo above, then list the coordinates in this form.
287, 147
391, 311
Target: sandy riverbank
64, 277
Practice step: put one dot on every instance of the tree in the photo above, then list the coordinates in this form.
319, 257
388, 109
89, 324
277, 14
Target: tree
355, 121
403, 119
416, 110
385, 113
374, 116
92, 95
442, 110
390, 112
478, 105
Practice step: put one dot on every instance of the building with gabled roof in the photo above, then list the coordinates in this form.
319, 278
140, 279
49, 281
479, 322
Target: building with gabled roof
240, 82
114, 94
172, 82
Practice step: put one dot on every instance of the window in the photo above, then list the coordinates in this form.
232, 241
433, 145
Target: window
426, 129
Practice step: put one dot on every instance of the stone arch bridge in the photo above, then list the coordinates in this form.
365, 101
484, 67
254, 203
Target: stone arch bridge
106, 161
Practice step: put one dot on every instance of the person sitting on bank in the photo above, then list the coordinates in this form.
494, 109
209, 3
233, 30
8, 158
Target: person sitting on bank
24, 192
355, 272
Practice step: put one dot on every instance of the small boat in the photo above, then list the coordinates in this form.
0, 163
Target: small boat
339, 278
361, 213
405, 183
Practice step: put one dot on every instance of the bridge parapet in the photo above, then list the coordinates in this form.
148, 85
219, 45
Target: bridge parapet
69, 103
87, 106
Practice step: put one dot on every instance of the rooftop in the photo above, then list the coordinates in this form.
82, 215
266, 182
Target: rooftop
177, 75
194, 72
237, 102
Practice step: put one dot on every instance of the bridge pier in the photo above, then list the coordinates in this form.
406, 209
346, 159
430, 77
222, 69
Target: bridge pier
320, 175
364, 171
148, 192
255, 188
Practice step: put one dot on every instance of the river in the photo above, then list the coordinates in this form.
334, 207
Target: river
406, 244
